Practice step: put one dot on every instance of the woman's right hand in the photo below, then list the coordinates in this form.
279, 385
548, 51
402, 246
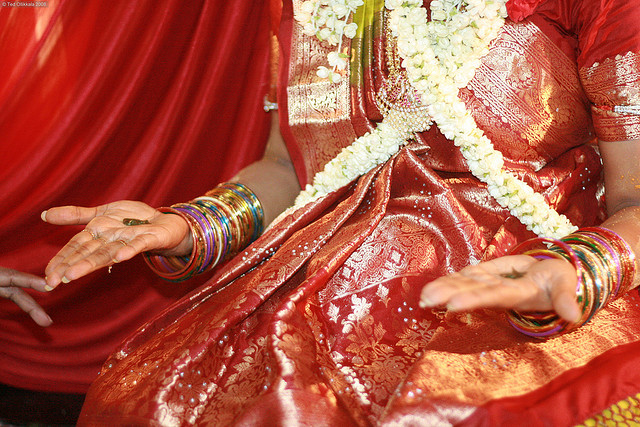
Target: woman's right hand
106, 239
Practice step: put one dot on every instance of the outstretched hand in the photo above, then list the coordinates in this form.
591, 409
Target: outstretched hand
107, 240
516, 282
12, 285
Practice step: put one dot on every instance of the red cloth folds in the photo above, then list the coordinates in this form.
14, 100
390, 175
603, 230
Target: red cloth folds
104, 101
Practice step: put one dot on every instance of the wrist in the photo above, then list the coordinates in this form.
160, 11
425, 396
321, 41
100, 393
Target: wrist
221, 224
185, 237
605, 269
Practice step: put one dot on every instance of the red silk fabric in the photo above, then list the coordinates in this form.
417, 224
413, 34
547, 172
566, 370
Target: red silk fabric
101, 101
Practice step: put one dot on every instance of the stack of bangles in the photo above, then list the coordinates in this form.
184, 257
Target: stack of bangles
605, 266
223, 222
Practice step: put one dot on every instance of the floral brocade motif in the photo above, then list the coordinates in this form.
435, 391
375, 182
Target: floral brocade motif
615, 81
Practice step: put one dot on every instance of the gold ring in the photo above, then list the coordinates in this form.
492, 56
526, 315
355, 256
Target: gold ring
103, 240
122, 241
93, 236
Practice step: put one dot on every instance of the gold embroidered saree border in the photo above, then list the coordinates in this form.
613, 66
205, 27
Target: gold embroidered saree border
319, 111
477, 372
623, 413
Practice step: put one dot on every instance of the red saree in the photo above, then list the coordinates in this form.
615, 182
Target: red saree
317, 322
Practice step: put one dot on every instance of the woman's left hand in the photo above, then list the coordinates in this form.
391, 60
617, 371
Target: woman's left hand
517, 282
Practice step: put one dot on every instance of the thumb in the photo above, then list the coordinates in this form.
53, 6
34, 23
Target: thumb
563, 292
69, 215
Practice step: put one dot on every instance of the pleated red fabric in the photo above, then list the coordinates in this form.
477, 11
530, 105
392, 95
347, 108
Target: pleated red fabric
100, 101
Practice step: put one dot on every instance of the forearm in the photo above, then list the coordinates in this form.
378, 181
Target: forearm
626, 223
622, 191
272, 178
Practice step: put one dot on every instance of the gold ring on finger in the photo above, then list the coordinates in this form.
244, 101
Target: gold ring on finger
122, 242
93, 235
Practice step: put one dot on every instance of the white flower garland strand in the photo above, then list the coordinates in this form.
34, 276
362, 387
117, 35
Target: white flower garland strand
360, 157
328, 21
440, 57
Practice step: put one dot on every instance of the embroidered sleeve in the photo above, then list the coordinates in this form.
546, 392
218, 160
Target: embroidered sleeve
609, 60
613, 87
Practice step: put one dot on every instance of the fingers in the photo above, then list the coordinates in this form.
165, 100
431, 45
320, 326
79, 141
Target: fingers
479, 285
10, 283
28, 304
83, 255
10, 277
461, 292
514, 282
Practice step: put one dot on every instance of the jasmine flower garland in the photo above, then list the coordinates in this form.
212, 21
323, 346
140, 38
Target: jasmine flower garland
441, 56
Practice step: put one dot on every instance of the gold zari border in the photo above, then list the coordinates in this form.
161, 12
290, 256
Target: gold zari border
513, 366
624, 413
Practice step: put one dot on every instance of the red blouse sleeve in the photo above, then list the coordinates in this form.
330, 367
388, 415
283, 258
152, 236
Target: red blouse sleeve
608, 33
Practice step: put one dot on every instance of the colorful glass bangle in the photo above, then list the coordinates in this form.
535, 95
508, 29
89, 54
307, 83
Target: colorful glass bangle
605, 267
222, 223
545, 324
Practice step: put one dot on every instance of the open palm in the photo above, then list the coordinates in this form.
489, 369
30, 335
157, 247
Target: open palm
107, 240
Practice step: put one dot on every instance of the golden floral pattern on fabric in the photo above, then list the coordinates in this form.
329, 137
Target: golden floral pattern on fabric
526, 96
475, 375
319, 110
395, 245
187, 384
373, 355
622, 414
615, 81
248, 379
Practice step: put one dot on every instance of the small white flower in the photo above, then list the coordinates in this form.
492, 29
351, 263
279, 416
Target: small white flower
324, 33
302, 17
333, 39
323, 72
341, 10
337, 60
350, 30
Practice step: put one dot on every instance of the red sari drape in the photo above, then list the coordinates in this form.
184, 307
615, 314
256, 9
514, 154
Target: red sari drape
100, 101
